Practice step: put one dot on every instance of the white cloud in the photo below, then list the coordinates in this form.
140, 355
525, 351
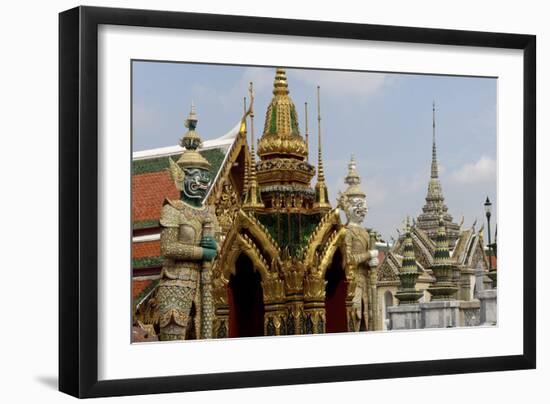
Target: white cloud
362, 84
481, 171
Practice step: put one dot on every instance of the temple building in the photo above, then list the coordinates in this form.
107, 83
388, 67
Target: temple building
283, 266
428, 220
452, 265
286, 263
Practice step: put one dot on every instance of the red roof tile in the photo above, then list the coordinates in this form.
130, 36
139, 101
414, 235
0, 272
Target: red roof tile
146, 249
139, 285
148, 192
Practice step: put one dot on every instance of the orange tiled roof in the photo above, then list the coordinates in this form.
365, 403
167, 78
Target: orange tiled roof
139, 285
148, 192
146, 249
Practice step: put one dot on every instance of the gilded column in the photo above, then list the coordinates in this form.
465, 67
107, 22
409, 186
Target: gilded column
274, 306
294, 291
221, 305
314, 304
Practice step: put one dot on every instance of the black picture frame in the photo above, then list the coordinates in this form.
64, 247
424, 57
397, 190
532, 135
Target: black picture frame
78, 200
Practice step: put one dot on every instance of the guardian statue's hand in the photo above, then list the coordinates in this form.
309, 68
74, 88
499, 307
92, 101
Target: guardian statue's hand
209, 243
208, 254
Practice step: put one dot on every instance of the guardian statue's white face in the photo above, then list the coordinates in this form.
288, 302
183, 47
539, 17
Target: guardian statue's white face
357, 209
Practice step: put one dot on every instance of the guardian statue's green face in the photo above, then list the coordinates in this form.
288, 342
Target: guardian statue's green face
195, 184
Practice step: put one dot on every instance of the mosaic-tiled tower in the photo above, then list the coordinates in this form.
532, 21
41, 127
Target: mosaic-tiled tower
428, 220
408, 273
443, 269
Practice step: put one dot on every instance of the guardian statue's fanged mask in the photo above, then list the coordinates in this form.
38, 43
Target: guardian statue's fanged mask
191, 173
353, 200
355, 207
195, 183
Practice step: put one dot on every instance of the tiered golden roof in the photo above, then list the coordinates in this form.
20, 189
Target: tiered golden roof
281, 135
282, 150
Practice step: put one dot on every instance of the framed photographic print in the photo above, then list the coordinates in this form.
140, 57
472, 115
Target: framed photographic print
251, 201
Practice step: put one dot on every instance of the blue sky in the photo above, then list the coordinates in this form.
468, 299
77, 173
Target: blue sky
384, 119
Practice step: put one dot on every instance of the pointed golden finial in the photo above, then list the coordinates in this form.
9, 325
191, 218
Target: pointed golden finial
242, 128
321, 175
251, 112
246, 163
253, 198
307, 134
280, 85
321, 192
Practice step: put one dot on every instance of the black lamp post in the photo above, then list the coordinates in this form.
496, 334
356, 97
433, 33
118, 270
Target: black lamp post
488, 208
492, 271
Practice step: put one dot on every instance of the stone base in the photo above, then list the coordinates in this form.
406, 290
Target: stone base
469, 315
440, 314
488, 306
405, 317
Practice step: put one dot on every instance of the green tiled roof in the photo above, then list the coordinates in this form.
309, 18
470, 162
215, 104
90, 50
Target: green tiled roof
214, 156
146, 262
145, 224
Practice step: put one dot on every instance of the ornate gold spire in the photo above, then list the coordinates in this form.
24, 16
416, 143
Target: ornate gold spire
280, 85
191, 141
307, 133
281, 137
252, 199
246, 163
281, 149
321, 192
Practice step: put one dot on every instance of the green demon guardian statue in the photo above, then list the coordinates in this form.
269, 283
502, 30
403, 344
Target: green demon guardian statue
358, 241
188, 245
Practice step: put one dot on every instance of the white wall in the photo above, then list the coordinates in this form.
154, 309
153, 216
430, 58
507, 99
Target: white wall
28, 93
